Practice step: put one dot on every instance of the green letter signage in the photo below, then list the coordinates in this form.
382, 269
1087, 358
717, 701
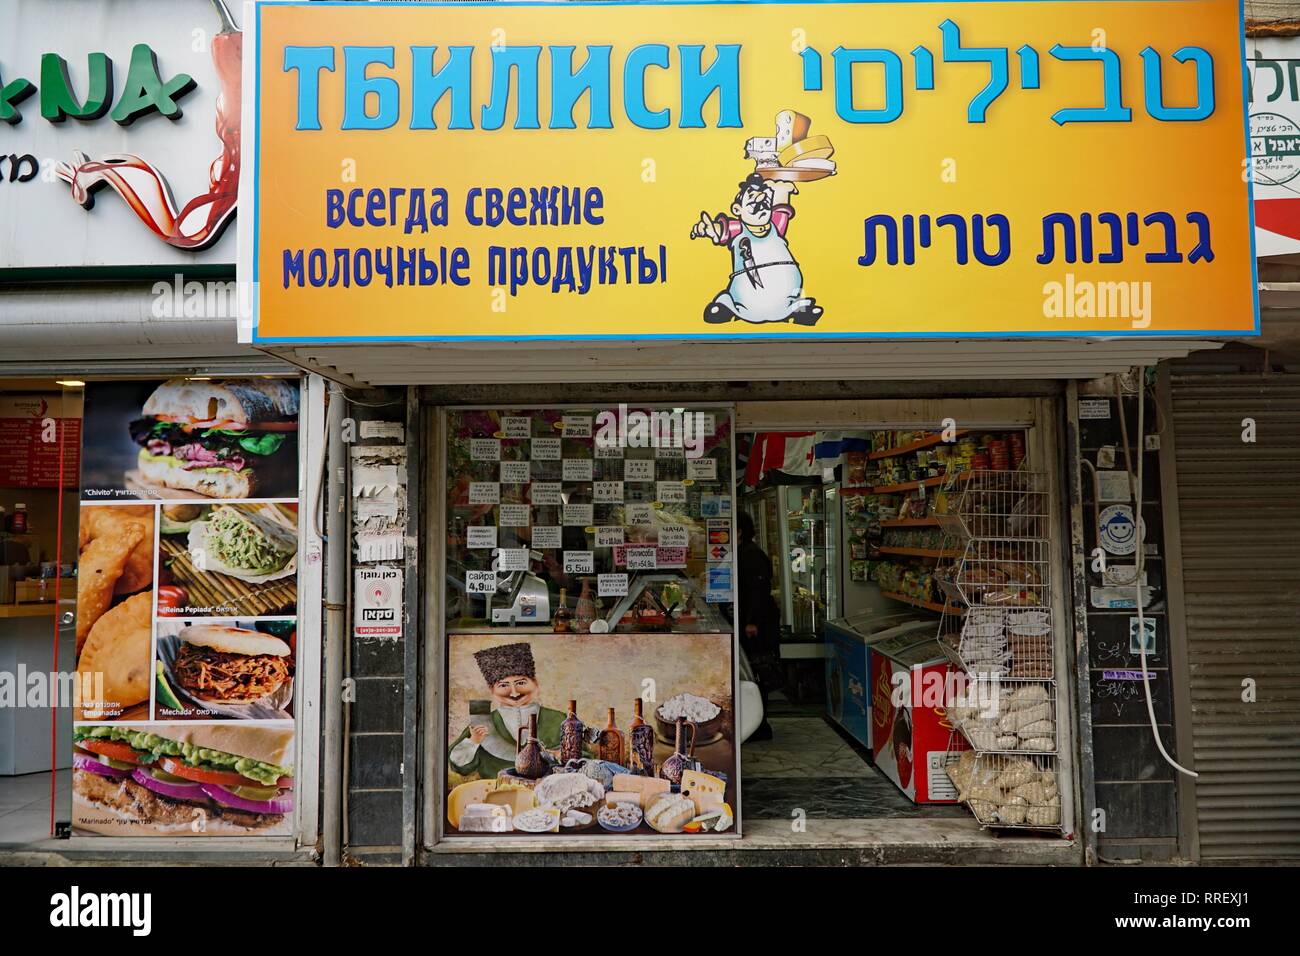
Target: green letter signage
145, 90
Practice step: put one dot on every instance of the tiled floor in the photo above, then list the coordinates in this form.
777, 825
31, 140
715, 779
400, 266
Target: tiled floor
808, 765
25, 806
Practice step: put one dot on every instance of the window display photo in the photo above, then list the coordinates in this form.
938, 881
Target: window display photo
227, 560
183, 779
191, 438
590, 643
187, 604
240, 670
115, 598
572, 733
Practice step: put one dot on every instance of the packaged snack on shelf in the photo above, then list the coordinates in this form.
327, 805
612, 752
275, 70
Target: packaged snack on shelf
855, 469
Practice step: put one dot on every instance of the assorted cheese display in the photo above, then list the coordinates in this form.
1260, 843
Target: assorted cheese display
791, 155
574, 800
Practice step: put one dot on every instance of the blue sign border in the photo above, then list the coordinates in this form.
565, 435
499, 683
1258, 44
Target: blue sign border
716, 337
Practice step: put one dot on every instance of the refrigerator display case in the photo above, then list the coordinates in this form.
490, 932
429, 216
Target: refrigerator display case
798, 526
848, 661
912, 738
763, 509
811, 548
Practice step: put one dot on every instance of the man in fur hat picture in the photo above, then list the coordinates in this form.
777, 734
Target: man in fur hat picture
488, 747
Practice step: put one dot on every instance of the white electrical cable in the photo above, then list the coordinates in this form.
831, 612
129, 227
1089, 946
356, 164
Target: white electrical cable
1140, 551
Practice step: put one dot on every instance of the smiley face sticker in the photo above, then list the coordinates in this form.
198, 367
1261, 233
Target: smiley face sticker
1116, 531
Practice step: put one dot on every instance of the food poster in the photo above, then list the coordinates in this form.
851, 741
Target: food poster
498, 682
186, 608
191, 439
579, 569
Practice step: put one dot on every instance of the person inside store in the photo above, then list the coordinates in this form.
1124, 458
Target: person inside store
488, 746
760, 627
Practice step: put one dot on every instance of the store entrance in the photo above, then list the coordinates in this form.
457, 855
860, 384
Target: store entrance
40, 445
819, 539
844, 584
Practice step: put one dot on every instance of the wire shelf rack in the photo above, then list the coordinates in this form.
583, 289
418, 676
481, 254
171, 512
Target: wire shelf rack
999, 505
1007, 718
1013, 791
999, 521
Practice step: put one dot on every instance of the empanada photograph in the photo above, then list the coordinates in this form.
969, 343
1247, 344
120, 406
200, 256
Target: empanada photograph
115, 598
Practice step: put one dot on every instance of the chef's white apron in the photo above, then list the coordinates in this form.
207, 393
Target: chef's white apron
781, 293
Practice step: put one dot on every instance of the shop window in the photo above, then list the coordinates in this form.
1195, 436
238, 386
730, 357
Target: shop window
589, 563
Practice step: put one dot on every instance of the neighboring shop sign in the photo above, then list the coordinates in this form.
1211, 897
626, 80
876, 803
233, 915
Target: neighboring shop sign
187, 609
616, 615
35, 432
1275, 142
675, 169
129, 109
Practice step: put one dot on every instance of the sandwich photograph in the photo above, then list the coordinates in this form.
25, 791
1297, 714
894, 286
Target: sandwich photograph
228, 560
115, 599
235, 670
183, 779
191, 439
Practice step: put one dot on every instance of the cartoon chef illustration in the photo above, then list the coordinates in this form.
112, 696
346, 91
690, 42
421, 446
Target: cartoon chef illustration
766, 284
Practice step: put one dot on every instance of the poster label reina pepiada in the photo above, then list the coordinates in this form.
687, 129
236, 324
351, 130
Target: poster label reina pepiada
590, 647
187, 609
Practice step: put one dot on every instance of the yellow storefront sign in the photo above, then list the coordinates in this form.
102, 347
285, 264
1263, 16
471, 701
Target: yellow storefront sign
726, 170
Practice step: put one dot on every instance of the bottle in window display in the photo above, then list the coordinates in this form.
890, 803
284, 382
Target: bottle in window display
530, 761
609, 745
562, 620
641, 743
682, 758
586, 612
571, 734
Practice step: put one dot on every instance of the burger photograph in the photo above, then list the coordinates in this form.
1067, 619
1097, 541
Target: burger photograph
228, 560
192, 438
183, 780
237, 670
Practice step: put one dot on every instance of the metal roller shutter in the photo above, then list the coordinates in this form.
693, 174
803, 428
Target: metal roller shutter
1239, 507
